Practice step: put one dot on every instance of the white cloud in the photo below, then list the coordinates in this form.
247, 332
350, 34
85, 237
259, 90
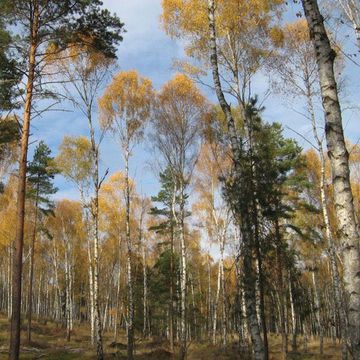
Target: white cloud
145, 47
149, 50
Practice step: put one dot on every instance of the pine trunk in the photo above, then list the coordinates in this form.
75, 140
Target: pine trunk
21, 193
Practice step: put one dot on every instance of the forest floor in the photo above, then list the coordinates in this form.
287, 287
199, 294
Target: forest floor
49, 343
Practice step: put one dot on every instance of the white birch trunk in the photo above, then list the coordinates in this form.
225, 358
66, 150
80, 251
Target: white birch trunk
91, 295
250, 296
130, 322
339, 160
317, 313
330, 240
216, 302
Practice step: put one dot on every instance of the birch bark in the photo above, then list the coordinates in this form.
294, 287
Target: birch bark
339, 160
250, 296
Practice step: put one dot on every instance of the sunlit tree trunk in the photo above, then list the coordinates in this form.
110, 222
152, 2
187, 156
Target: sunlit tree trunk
331, 245
223, 290
117, 299
171, 305
21, 191
260, 282
91, 293
183, 276
95, 235
293, 316
220, 288
250, 296
339, 160
68, 309
317, 312
217, 296
9, 283
209, 307
281, 290
130, 322
57, 297
31, 272
145, 288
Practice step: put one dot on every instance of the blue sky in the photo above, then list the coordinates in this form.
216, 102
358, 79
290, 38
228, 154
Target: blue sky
151, 52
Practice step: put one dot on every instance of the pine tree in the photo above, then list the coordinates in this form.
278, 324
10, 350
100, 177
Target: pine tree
9, 73
45, 28
170, 200
40, 176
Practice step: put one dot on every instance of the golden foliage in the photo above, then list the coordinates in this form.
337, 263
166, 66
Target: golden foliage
126, 103
74, 159
183, 89
235, 19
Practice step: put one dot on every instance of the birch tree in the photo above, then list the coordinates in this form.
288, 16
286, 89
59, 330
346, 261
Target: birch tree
296, 69
74, 163
339, 160
351, 9
84, 71
179, 111
215, 217
39, 24
125, 108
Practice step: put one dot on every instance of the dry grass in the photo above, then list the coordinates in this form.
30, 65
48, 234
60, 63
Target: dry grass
49, 342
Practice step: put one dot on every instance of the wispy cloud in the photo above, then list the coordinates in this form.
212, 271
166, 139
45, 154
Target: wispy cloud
150, 51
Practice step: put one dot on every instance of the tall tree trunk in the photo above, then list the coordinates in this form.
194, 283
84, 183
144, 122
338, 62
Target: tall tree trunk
21, 192
223, 290
31, 273
339, 160
171, 305
145, 300
216, 302
317, 313
117, 295
130, 322
250, 296
260, 282
91, 293
293, 316
209, 307
57, 297
95, 236
249, 280
99, 345
183, 276
280, 275
9, 288
68, 309
326, 219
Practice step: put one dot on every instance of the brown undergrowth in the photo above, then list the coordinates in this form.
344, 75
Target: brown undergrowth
49, 343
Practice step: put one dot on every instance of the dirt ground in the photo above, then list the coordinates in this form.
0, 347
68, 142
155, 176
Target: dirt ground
49, 343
